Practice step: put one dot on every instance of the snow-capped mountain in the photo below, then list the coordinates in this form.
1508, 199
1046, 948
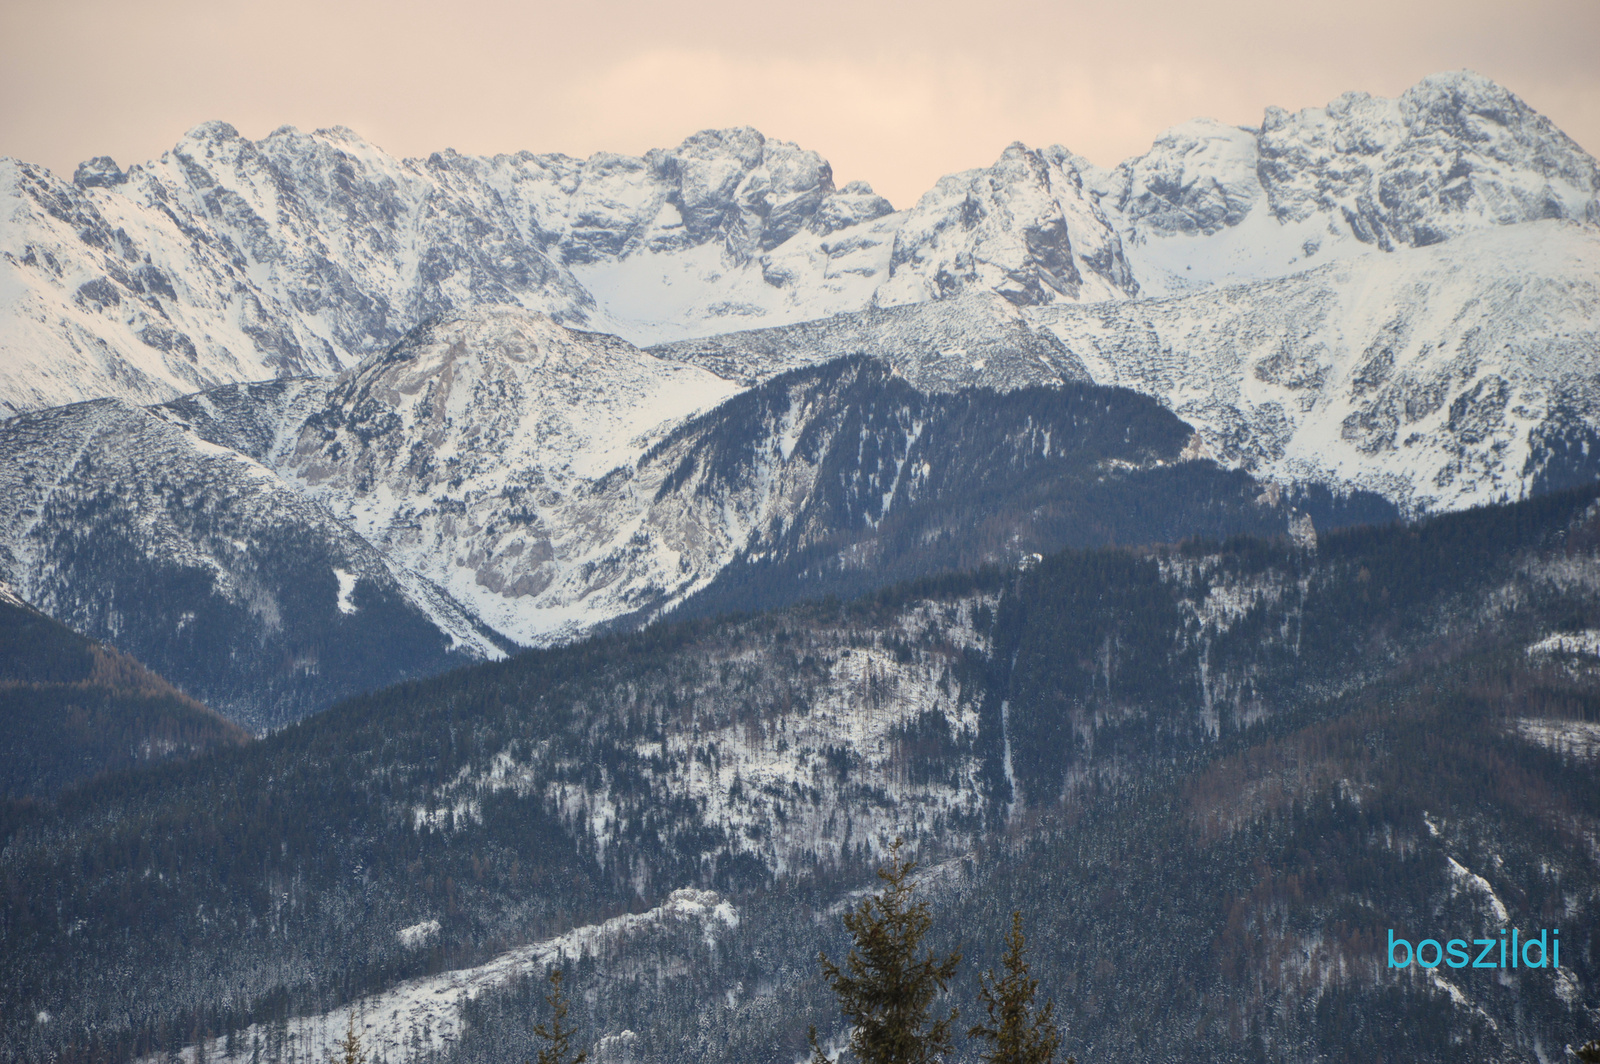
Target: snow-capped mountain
498, 478
1448, 376
1439, 377
1396, 296
1211, 203
231, 260
132, 530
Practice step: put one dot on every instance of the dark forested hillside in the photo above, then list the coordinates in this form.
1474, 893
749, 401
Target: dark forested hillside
1213, 776
71, 708
909, 483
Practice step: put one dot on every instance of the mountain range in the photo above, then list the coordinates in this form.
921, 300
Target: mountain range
228, 261
1387, 301
498, 480
418, 573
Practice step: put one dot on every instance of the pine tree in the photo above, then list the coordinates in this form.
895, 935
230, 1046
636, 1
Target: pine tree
1016, 1034
885, 990
556, 1035
1590, 1053
349, 1051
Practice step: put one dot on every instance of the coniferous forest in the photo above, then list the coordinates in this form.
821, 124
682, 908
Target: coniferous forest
1212, 776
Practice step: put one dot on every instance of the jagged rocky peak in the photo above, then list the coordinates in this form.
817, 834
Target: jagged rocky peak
732, 187
755, 193
1197, 178
100, 172
1027, 227
1455, 152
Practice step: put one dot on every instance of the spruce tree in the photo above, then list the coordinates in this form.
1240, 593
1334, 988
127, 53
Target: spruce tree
885, 989
349, 1050
1016, 1034
556, 1035
1590, 1053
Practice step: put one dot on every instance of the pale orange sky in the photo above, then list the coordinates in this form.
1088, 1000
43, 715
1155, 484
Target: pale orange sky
893, 93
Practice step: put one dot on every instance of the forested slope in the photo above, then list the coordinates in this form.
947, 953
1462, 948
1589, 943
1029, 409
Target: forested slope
1211, 774
71, 708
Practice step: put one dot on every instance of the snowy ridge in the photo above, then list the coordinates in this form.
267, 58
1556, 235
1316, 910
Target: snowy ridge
157, 498
1427, 375
972, 340
230, 260
422, 1017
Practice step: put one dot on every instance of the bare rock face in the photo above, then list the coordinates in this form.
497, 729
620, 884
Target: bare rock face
1453, 153
100, 172
1026, 228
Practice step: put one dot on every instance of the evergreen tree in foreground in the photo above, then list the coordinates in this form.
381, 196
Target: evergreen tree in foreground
556, 1035
1590, 1052
885, 990
349, 1051
1016, 1034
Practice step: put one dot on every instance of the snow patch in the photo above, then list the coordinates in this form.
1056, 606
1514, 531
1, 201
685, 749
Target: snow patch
347, 586
1468, 880
415, 935
1571, 738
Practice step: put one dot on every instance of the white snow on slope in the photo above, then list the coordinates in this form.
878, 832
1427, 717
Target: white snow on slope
1467, 880
420, 1017
1572, 738
495, 457
228, 259
1418, 374
1583, 644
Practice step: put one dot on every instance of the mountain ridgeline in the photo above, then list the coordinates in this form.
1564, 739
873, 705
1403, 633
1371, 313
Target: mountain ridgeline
500, 480
1396, 295
1216, 774
71, 708
907, 484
